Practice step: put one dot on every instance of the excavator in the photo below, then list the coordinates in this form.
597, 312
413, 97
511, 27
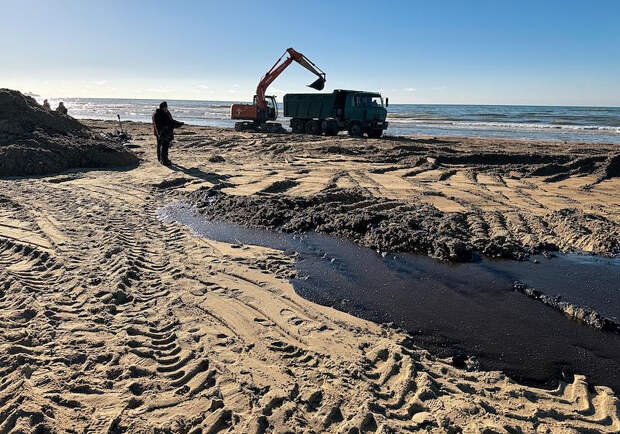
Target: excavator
255, 116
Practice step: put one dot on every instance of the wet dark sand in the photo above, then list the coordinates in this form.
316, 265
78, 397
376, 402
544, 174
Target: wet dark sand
581, 279
455, 310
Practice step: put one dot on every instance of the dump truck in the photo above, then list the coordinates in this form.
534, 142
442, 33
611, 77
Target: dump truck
355, 111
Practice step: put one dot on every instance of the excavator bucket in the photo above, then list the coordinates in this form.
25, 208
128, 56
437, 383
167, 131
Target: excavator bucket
319, 84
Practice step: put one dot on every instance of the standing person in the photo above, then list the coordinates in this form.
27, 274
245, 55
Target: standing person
61, 108
46, 105
163, 127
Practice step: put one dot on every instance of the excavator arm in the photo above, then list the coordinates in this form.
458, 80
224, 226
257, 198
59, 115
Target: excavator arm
280, 66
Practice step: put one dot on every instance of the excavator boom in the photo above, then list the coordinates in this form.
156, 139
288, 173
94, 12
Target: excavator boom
319, 84
280, 66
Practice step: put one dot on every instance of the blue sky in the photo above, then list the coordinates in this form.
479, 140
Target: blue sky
478, 52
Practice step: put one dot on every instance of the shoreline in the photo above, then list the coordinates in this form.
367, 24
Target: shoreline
417, 119
388, 137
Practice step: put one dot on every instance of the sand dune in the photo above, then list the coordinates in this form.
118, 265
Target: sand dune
112, 321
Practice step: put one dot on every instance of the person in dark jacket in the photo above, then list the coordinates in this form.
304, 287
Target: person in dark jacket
61, 108
163, 127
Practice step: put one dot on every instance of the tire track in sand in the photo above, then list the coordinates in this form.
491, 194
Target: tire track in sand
127, 324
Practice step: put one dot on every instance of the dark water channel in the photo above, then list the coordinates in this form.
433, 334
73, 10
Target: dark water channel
456, 309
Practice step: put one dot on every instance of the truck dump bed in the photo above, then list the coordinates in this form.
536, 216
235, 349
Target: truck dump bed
309, 105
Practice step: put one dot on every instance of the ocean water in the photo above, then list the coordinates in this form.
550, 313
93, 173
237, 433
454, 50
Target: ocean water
588, 124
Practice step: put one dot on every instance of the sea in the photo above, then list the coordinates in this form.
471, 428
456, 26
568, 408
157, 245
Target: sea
560, 123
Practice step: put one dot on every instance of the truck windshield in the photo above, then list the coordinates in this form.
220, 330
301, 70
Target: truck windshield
368, 101
376, 101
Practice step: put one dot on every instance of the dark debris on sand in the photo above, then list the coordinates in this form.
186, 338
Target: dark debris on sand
386, 224
35, 141
583, 314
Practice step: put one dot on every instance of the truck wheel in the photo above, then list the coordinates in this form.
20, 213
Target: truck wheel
313, 127
297, 125
355, 130
271, 127
375, 134
331, 128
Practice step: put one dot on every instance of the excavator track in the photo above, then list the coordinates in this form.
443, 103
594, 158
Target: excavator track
268, 127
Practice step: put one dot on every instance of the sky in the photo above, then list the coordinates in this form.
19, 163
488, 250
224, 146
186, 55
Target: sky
443, 52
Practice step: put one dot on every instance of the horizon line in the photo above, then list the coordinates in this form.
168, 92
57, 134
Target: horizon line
399, 103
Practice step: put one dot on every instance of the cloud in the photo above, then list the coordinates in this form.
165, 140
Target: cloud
100, 82
158, 89
410, 89
203, 86
236, 85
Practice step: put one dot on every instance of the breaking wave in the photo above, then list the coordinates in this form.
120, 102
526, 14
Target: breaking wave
445, 123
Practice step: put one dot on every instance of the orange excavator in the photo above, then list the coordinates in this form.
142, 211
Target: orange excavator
255, 116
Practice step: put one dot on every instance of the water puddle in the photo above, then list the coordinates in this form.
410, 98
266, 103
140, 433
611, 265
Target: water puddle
455, 309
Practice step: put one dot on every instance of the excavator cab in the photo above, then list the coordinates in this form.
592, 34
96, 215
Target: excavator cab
272, 108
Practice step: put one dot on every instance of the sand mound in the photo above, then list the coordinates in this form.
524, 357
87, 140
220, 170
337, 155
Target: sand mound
416, 227
605, 167
35, 141
378, 223
611, 168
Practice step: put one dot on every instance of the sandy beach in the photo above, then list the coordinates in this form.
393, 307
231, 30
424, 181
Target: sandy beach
113, 321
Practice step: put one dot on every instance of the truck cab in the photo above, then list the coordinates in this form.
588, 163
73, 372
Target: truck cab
365, 112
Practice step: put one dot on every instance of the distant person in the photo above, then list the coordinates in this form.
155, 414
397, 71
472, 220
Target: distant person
163, 127
61, 108
46, 105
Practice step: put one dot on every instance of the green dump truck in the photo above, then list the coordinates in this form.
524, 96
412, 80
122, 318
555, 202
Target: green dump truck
354, 111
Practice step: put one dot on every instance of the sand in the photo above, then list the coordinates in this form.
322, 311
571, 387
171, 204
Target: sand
112, 321
35, 141
447, 198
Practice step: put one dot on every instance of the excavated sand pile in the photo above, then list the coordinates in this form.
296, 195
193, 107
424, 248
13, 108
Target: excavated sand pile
35, 141
408, 226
